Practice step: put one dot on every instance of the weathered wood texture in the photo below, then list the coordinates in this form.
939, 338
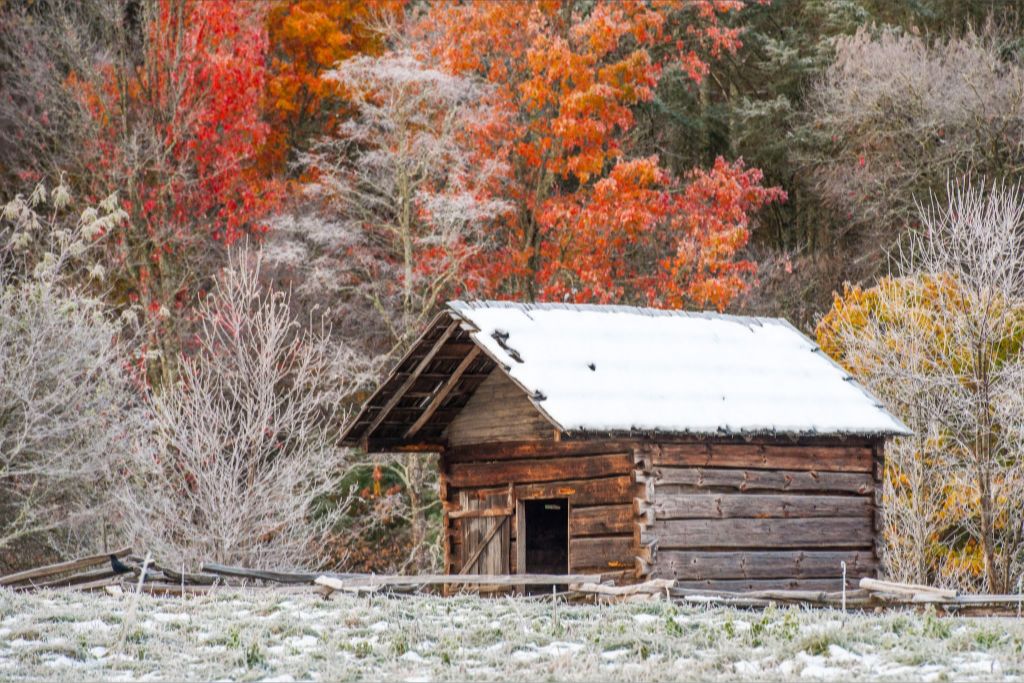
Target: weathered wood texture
765, 456
728, 505
713, 515
765, 480
498, 411
485, 539
746, 585
689, 565
760, 516
597, 480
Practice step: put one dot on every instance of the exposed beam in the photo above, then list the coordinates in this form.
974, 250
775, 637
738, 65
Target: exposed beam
410, 380
443, 392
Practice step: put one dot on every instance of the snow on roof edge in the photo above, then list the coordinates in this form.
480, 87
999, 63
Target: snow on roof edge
462, 309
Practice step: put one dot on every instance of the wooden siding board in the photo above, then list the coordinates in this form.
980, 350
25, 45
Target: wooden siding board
497, 411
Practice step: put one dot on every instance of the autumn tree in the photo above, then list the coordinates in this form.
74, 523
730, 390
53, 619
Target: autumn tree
307, 39
592, 222
177, 126
399, 221
941, 343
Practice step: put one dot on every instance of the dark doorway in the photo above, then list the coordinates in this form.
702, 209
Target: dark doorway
547, 536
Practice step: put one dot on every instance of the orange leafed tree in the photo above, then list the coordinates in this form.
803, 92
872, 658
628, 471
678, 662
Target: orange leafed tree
307, 39
594, 223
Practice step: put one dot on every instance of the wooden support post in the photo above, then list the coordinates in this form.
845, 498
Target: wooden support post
520, 543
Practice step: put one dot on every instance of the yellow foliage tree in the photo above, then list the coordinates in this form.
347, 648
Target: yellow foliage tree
953, 502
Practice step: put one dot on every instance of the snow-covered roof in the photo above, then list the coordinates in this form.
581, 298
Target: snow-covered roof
618, 369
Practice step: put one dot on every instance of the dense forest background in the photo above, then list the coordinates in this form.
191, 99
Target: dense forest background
222, 220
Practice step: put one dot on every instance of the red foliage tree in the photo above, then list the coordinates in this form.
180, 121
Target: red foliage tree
593, 224
178, 128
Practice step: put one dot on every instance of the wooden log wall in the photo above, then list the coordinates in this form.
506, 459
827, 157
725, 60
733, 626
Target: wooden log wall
597, 478
744, 517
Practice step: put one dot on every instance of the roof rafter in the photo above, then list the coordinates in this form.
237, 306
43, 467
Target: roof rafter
443, 392
410, 380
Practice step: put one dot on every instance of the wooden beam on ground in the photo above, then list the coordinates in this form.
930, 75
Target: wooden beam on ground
396, 581
443, 392
411, 379
647, 587
61, 567
912, 589
263, 575
69, 580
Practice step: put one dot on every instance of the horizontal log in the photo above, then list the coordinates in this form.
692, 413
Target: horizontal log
600, 520
447, 579
765, 456
914, 589
533, 449
726, 505
794, 564
464, 475
62, 567
651, 587
582, 492
485, 512
263, 575
766, 480
86, 577
764, 533
745, 585
606, 552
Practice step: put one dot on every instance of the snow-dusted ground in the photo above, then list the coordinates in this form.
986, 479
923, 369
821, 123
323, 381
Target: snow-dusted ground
265, 635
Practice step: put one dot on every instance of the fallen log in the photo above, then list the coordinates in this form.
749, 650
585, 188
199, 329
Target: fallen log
647, 587
911, 589
189, 578
261, 574
68, 581
175, 589
52, 570
332, 584
98, 584
419, 580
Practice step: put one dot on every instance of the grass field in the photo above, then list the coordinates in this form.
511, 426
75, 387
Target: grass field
266, 635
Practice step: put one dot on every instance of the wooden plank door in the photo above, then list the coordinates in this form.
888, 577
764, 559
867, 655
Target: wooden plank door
485, 538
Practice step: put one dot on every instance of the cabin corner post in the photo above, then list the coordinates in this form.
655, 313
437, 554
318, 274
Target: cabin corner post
878, 472
644, 541
446, 530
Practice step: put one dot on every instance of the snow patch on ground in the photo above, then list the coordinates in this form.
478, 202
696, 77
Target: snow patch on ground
271, 636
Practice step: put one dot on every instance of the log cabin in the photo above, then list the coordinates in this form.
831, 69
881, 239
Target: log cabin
725, 452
